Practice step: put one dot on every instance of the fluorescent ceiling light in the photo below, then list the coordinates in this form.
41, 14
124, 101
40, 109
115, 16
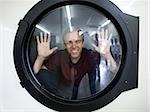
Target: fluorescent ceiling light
69, 17
41, 28
106, 23
68, 12
92, 33
103, 25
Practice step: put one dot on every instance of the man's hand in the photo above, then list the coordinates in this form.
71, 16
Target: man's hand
43, 48
103, 43
43, 45
104, 49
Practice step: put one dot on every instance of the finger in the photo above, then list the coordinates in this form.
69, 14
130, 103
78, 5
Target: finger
37, 39
106, 34
45, 37
110, 36
102, 34
99, 43
49, 38
41, 36
99, 35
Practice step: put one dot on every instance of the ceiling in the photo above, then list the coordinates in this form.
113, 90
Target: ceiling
81, 16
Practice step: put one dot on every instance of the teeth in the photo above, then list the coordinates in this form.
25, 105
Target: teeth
74, 51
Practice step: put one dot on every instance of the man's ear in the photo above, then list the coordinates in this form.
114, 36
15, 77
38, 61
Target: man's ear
65, 46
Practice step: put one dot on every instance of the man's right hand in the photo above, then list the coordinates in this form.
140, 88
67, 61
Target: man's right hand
43, 45
43, 48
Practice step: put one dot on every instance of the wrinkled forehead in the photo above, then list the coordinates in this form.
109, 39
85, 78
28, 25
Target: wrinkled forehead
72, 36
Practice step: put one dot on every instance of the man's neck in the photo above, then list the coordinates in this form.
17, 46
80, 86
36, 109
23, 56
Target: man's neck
75, 60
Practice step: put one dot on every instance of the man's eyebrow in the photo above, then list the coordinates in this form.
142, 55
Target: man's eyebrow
74, 40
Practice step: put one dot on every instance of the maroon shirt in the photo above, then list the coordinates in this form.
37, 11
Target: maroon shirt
61, 63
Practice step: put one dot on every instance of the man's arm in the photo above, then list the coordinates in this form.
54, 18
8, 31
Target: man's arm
111, 64
38, 64
43, 43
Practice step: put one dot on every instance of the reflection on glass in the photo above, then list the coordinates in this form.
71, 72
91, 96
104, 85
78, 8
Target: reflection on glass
76, 52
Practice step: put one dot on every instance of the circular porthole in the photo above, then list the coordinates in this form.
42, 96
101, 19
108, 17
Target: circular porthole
76, 55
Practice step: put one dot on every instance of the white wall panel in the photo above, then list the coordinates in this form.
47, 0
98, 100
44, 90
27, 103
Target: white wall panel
13, 98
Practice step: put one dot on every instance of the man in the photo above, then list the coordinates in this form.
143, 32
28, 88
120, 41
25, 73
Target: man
74, 61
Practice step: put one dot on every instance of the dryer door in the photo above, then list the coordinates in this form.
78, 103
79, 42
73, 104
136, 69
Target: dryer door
76, 55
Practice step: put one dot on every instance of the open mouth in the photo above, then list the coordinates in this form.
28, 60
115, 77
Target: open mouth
74, 51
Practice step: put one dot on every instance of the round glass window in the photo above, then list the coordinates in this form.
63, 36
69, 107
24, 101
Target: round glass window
75, 52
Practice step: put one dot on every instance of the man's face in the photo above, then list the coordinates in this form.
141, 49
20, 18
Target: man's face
73, 43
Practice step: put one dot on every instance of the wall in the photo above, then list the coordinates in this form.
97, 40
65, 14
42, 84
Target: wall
13, 98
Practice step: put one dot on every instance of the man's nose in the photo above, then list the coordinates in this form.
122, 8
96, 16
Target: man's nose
74, 44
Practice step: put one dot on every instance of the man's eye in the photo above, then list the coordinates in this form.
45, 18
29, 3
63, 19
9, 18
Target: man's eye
70, 42
78, 41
